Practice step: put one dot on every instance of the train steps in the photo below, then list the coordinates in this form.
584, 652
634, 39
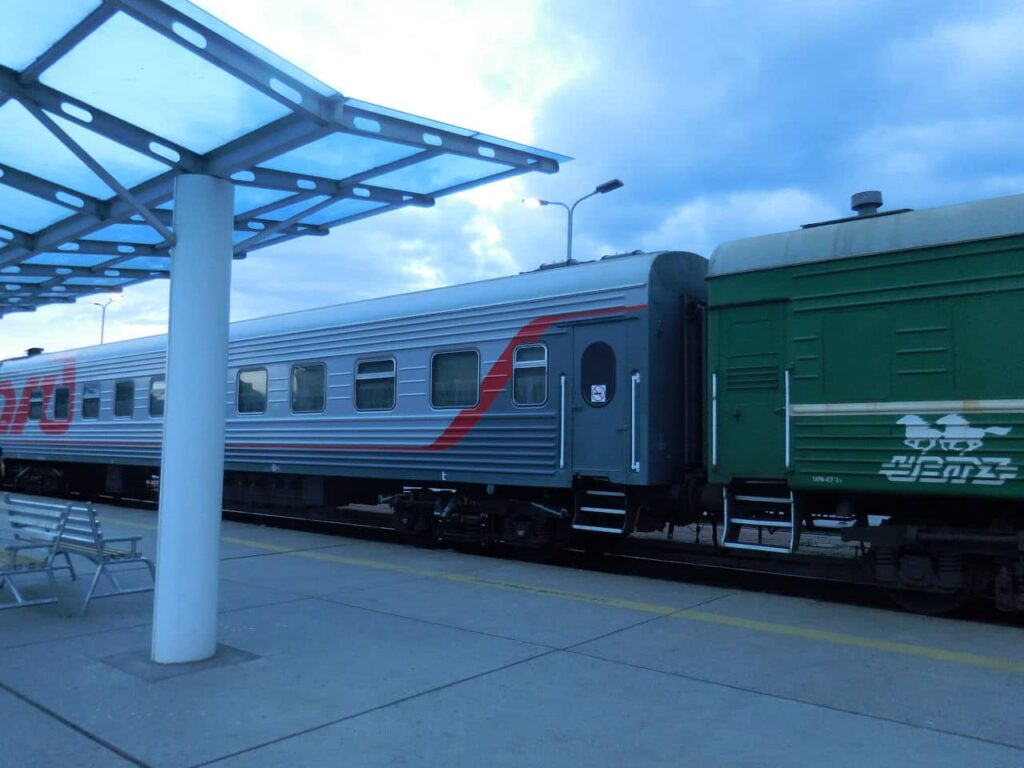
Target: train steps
761, 509
601, 510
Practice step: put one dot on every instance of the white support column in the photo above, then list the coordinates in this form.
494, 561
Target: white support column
192, 467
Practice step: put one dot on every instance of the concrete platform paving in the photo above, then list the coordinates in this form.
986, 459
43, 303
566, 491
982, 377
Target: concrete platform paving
350, 652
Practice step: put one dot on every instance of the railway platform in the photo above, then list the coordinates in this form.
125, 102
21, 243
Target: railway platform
342, 651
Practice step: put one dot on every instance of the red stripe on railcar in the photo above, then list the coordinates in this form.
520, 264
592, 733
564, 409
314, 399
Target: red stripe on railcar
496, 378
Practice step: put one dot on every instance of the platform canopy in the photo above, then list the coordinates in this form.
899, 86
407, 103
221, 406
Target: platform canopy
104, 102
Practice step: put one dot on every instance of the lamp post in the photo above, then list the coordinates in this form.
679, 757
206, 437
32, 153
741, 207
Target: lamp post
103, 315
600, 189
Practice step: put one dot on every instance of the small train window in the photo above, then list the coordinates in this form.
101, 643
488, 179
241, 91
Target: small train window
91, 401
35, 404
157, 390
530, 375
251, 392
455, 379
375, 385
597, 374
61, 403
124, 397
308, 386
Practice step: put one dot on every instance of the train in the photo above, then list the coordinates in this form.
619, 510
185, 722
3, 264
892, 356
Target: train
848, 384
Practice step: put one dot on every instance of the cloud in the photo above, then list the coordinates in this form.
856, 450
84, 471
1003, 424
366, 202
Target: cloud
706, 221
473, 64
974, 61
723, 118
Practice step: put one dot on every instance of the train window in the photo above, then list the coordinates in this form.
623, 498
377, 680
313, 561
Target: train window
91, 401
597, 374
61, 403
124, 397
530, 375
375, 385
308, 387
157, 388
455, 379
35, 404
251, 395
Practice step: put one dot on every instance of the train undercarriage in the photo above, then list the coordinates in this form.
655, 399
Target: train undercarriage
930, 556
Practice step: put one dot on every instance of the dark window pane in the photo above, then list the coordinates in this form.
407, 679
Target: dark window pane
91, 401
61, 403
35, 404
597, 374
530, 375
375, 385
455, 379
124, 398
308, 388
157, 387
252, 391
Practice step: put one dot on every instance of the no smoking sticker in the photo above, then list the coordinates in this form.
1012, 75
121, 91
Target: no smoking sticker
598, 393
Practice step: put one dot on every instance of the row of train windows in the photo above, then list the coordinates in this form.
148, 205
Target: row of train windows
124, 400
454, 383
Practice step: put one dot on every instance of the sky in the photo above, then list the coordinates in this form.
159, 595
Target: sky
724, 119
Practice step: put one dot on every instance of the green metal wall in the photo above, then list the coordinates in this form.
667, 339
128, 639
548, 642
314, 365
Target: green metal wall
906, 371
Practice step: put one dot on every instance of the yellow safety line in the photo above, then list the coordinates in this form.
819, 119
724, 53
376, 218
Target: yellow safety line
789, 630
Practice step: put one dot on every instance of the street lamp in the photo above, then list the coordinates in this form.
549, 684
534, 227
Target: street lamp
114, 297
600, 189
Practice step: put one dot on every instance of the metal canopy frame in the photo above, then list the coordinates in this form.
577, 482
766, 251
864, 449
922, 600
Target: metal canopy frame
38, 267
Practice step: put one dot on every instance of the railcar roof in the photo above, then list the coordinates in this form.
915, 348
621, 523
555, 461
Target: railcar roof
998, 217
624, 271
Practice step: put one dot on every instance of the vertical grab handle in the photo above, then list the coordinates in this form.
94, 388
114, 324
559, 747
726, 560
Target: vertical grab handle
634, 461
788, 434
714, 419
561, 427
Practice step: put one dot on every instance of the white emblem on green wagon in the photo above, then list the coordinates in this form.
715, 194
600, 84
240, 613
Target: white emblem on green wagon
954, 438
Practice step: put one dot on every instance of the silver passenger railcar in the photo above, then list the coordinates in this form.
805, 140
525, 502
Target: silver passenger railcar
512, 409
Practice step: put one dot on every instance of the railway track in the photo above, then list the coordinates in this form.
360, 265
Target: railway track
836, 578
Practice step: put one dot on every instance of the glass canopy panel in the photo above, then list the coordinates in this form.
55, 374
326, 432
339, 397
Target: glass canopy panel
127, 233
340, 155
107, 282
137, 74
28, 30
216, 25
145, 262
126, 165
439, 173
28, 212
426, 123
6, 277
68, 259
28, 146
341, 210
521, 147
295, 208
249, 198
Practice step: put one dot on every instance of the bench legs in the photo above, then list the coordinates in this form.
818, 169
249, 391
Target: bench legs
19, 599
104, 568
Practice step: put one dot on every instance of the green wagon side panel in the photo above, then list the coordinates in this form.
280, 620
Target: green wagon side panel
876, 453
905, 370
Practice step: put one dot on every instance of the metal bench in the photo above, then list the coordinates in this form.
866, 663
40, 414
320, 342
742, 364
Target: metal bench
30, 535
80, 533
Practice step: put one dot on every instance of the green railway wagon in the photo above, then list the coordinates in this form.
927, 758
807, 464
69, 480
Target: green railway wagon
870, 366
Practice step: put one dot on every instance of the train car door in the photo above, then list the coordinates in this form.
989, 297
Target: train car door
749, 427
600, 400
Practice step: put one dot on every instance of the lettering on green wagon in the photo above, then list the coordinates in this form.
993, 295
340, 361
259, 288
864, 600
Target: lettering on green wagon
944, 453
